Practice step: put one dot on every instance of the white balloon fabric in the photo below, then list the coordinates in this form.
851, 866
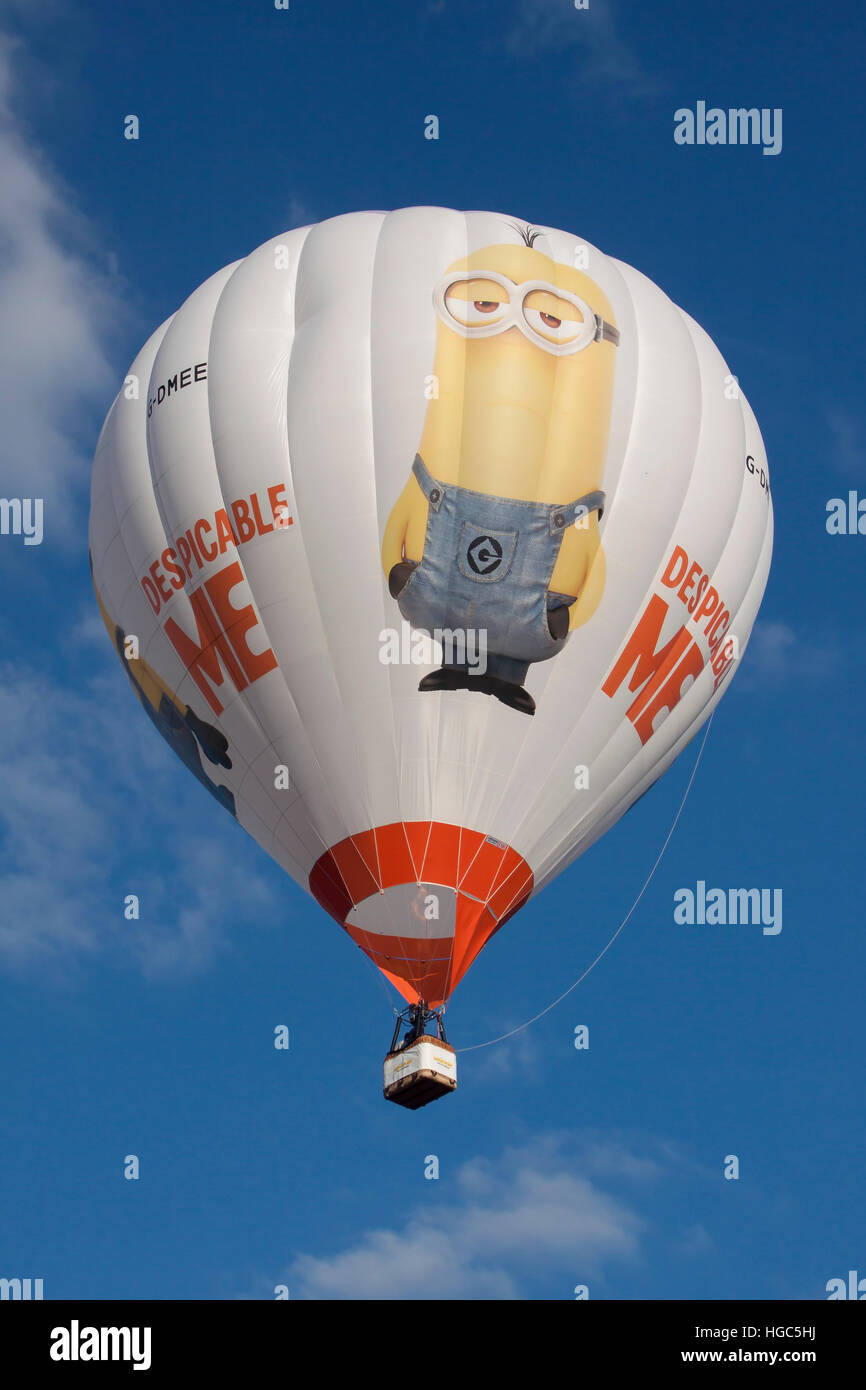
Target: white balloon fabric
442, 449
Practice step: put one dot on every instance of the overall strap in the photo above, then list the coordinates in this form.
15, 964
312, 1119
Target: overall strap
433, 491
560, 517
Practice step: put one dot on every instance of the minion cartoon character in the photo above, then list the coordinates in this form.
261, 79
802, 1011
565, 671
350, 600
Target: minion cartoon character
496, 530
181, 728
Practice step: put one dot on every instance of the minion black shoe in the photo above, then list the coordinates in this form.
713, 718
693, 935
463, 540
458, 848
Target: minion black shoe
446, 678
508, 692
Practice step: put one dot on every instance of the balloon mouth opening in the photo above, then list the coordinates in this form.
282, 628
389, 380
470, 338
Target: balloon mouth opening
421, 899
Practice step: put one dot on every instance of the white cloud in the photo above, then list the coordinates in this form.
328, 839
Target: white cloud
91, 801
777, 652
517, 1056
611, 1159
59, 304
603, 57
208, 892
534, 1210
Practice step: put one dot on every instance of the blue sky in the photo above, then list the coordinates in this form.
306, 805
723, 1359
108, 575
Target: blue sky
557, 1167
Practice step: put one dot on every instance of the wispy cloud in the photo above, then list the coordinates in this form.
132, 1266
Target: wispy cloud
59, 303
533, 1210
776, 652
298, 214
846, 436
83, 780
602, 57
517, 1056
694, 1241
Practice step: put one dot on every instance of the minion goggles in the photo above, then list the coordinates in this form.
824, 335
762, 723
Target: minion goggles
514, 312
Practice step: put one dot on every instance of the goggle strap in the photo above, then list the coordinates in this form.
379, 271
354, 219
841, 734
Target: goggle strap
605, 331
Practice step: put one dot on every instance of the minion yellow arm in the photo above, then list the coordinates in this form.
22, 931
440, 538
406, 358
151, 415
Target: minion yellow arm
580, 570
591, 593
404, 533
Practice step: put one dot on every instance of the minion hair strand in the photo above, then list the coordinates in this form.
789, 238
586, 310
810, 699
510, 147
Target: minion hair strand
528, 234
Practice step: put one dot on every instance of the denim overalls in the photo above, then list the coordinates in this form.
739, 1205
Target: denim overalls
486, 566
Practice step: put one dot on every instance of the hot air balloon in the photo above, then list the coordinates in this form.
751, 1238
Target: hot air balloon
428, 540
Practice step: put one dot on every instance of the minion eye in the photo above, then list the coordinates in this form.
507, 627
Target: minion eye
554, 319
474, 302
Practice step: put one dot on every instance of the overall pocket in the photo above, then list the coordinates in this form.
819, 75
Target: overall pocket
485, 556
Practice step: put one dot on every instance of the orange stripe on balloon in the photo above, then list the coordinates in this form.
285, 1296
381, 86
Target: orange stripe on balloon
443, 850
395, 861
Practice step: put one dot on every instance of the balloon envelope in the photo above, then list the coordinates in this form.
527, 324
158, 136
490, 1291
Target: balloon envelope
441, 449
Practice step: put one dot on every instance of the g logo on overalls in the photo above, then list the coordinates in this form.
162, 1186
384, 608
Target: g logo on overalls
484, 555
